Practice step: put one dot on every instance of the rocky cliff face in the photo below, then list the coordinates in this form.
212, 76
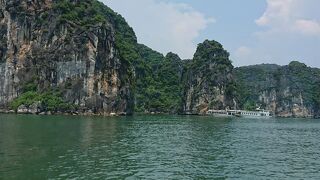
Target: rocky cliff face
208, 80
287, 91
42, 45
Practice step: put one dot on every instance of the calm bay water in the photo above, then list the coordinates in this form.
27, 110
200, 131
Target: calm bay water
158, 147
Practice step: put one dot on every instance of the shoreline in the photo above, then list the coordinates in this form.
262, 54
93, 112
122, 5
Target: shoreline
49, 113
75, 113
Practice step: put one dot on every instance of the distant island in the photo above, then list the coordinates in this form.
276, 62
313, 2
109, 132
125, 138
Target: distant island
80, 57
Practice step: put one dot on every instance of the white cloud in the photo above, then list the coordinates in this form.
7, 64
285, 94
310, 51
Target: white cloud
242, 52
308, 27
277, 12
163, 26
243, 56
289, 16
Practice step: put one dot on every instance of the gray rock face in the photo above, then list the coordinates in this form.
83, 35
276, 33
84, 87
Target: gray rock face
22, 109
83, 63
35, 108
287, 91
32, 109
285, 103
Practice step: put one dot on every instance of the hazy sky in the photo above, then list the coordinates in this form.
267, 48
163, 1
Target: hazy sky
253, 31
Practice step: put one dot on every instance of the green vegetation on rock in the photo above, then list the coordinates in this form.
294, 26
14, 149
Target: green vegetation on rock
86, 13
158, 86
49, 101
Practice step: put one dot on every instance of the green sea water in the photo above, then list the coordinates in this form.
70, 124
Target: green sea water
158, 147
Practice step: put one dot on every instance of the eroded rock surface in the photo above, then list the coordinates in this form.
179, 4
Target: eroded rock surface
39, 44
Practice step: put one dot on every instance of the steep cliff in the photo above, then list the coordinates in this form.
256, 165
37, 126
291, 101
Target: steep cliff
208, 81
287, 91
65, 55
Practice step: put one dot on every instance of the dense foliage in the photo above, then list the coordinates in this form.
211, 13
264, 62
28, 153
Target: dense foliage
48, 101
158, 82
145, 79
169, 83
84, 14
212, 62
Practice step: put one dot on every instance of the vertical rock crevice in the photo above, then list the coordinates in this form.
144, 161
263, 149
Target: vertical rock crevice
80, 62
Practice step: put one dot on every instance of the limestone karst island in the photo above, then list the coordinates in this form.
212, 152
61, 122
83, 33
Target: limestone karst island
157, 89
81, 57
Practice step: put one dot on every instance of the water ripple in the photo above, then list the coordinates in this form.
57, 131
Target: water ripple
158, 147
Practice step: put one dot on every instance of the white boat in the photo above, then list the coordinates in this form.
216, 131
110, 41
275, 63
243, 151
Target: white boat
220, 113
257, 113
239, 113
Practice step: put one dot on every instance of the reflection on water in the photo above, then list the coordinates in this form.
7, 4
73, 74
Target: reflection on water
158, 147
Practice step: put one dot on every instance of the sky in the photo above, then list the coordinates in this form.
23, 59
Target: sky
253, 31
